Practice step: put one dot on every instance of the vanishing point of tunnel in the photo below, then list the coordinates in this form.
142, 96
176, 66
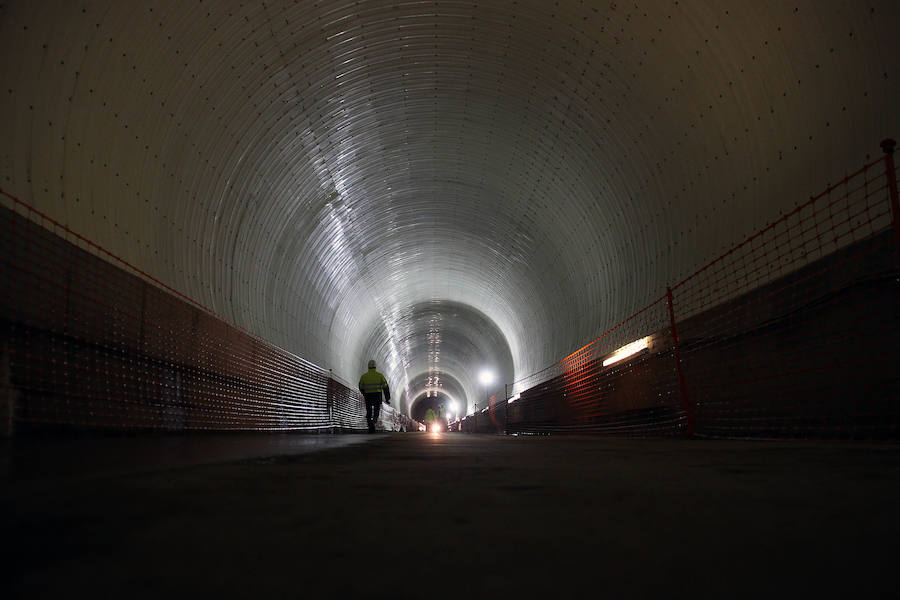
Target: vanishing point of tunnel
442, 186
655, 243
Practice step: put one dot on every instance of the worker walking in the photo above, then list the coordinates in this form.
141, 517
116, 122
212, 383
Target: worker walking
372, 384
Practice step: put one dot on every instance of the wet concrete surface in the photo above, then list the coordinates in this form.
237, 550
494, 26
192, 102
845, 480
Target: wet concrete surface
440, 515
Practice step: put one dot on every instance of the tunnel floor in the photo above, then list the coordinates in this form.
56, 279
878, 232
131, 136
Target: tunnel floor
413, 515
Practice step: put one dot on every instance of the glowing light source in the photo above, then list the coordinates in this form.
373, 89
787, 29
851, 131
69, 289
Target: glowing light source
453, 407
626, 351
514, 398
435, 428
486, 377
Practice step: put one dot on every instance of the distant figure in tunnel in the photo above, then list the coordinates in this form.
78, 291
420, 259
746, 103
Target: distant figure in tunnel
372, 384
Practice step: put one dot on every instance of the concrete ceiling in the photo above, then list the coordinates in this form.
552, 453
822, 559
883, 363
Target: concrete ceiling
350, 178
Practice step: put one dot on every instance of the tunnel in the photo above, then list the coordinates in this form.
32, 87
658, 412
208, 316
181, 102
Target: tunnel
583, 238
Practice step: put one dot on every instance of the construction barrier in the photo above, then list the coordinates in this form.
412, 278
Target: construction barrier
788, 334
87, 341
791, 333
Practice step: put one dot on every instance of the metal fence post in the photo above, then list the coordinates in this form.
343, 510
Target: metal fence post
505, 409
682, 382
889, 171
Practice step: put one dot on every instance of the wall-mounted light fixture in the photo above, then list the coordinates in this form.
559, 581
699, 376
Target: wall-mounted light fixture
627, 350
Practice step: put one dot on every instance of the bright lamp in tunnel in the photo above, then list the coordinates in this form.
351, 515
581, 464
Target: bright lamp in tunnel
626, 351
486, 377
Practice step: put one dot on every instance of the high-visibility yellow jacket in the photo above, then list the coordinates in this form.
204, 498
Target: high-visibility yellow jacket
373, 382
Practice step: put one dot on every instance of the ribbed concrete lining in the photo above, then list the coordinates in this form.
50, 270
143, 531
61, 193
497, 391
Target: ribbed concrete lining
445, 337
316, 170
450, 391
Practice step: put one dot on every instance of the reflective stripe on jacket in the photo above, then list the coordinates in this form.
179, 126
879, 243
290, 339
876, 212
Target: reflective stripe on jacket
373, 382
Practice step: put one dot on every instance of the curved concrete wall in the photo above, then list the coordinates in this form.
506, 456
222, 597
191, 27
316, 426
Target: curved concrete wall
314, 171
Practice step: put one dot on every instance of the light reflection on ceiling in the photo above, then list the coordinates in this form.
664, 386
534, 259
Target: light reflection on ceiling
443, 186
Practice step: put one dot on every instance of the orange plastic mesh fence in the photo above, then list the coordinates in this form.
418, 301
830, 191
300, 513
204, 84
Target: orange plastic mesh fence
89, 341
791, 333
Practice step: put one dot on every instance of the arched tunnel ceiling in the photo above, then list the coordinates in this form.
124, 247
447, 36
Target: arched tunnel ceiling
442, 346
314, 171
425, 397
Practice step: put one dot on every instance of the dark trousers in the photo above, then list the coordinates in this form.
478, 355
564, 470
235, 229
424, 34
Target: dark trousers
373, 409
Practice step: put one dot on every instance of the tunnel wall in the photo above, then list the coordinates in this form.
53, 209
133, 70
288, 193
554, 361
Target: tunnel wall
92, 343
791, 333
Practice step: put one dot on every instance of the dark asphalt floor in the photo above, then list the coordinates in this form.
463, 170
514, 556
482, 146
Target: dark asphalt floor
439, 515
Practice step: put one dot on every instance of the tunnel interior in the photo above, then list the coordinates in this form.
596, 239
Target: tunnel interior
443, 187
439, 403
664, 223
